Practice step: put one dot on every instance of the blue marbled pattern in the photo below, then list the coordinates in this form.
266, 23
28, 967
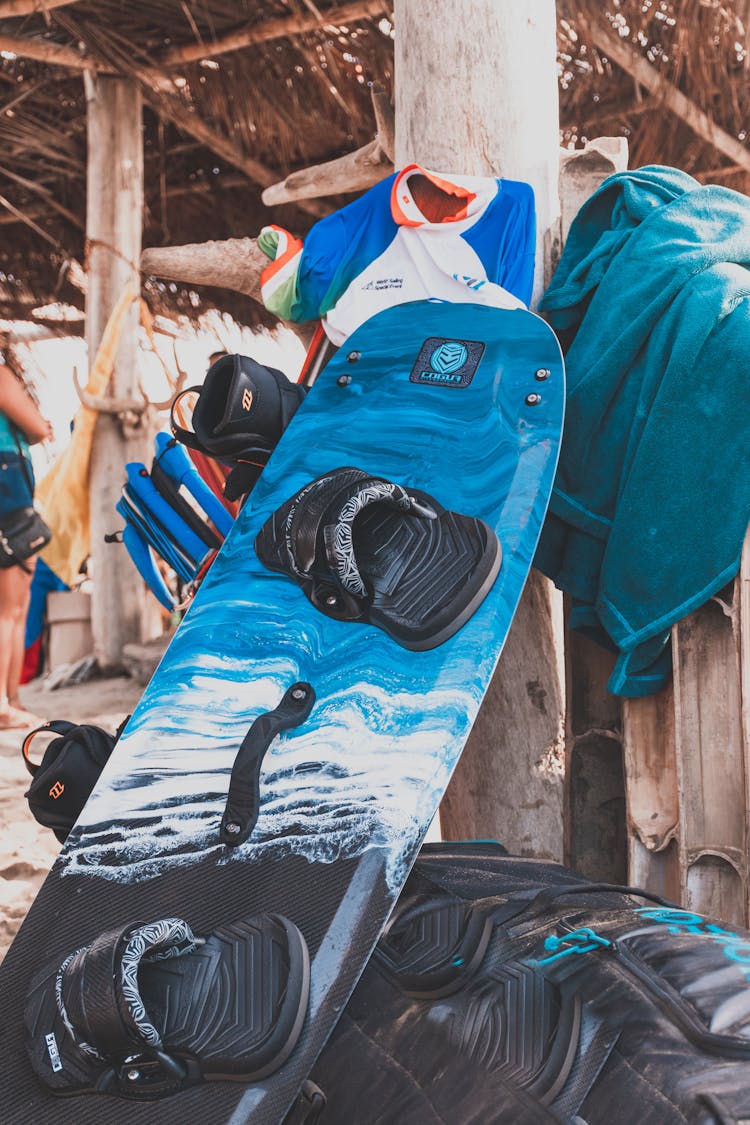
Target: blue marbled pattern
369, 767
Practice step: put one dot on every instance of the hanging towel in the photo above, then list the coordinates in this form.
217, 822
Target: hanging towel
63, 493
652, 496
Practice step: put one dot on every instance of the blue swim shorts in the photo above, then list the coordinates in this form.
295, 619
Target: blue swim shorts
14, 488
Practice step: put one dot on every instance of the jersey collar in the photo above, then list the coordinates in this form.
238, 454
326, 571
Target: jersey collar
474, 191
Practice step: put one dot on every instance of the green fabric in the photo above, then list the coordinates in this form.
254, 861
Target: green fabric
8, 433
268, 241
652, 496
282, 296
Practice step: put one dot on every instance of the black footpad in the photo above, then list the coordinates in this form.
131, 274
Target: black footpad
432, 948
150, 1009
365, 549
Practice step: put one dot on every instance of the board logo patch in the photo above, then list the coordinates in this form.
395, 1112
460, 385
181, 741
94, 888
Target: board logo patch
53, 1052
447, 363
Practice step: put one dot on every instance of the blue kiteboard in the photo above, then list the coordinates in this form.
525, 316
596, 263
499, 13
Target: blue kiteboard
460, 403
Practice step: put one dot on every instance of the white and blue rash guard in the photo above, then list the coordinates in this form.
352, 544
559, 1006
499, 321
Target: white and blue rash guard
381, 251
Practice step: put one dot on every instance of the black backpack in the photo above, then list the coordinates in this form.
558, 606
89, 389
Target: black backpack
67, 773
242, 410
509, 990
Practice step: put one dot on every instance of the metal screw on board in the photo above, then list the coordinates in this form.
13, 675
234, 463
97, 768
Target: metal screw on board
542, 374
533, 399
299, 693
232, 828
344, 380
133, 1075
332, 600
353, 357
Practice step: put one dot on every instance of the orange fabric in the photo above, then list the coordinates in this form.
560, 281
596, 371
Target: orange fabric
293, 247
402, 198
319, 337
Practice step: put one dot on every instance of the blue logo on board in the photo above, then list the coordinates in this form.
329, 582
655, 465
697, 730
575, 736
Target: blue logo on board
448, 357
447, 363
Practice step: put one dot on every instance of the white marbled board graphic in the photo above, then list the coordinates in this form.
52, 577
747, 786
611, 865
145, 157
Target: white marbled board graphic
370, 765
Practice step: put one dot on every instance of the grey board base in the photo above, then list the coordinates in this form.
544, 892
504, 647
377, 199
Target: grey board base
70, 911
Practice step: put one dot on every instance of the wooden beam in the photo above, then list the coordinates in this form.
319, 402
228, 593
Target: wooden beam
495, 64
54, 54
234, 263
712, 787
275, 29
631, 61
356, 171
651, 793
11, 8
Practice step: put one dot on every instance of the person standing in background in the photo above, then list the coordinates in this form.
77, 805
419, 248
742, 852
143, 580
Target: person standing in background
21, 425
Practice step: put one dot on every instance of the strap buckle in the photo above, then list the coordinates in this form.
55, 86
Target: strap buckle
334, 601
147, 1076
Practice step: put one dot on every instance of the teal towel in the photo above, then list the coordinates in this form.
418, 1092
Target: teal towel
652, 495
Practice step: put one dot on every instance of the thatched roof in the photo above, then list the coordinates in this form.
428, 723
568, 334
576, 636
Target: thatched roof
284, 102
701, 47
295, 96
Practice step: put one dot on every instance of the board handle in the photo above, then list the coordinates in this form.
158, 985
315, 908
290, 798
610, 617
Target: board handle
243, 800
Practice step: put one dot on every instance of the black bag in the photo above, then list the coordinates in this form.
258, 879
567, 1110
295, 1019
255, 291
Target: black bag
242, 410
22, 534
509, 990
23, 531
67, 773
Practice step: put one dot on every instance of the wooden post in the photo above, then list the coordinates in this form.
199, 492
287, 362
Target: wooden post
595, 823
114, 216
476, 92
687, 763
710, 736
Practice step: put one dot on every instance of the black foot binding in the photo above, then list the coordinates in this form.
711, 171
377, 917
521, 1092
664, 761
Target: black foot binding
150, 1009
242, 410
365, 549
432, 948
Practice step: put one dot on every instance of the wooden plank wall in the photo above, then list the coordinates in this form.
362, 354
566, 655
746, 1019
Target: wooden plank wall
686, 763
658, 789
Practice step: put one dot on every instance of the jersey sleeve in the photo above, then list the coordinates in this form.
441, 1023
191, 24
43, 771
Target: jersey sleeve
279, 282
304, 282
505, 238
295, 284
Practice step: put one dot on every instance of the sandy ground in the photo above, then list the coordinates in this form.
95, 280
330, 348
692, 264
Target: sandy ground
27, 850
